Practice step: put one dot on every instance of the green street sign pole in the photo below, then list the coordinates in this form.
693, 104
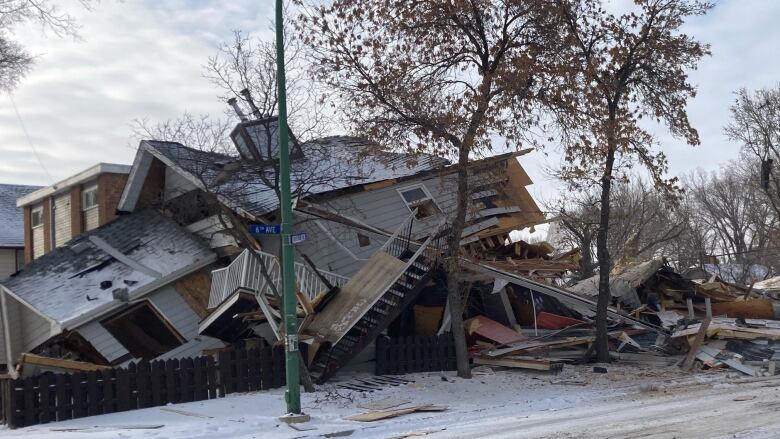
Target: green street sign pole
293, 393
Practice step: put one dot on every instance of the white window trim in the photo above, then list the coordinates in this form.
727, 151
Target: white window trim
92, 187
424, 189
34, 210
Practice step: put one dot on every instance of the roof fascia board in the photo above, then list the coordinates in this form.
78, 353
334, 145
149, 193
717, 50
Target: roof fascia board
8, 291
106, 308
135, 181
81, 177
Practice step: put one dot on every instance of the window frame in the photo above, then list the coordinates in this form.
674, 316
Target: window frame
93, 188
105, 324
39, 211
428, 197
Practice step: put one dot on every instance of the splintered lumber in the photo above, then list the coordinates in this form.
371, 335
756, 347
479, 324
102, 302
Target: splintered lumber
38, 360
746, 309
520, 363
697, 342
384, 403
537, 344
492, 330
392, 413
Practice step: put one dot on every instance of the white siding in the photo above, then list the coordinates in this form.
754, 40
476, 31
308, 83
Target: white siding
91, 220
38, 242
176, 310
62, 227
7, 262
27, 329
102, 341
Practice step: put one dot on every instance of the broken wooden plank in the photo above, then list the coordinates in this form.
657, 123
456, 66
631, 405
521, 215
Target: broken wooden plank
521, 363
384, 403
59, 363
385, 414
697, 342
537, 344
746, 309
185, 413
492, 330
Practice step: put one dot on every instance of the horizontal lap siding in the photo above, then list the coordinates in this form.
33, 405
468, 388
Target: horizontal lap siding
62, 215
192, 348
102, 341
7, 262
176, 310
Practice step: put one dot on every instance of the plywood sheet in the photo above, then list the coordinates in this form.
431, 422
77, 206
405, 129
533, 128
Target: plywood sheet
356, 297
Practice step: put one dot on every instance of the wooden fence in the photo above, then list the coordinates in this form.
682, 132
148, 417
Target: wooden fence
414, 354
53, 397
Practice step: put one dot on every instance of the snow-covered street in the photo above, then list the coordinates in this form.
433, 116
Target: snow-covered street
628, 401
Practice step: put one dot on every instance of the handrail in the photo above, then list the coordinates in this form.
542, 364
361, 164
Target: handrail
246, 272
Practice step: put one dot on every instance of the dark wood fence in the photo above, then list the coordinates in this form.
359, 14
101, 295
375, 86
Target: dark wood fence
414, 354
56, 397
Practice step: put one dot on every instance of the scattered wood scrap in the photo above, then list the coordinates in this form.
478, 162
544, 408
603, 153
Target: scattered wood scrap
58, 363
519, 362
392, 413
492, 330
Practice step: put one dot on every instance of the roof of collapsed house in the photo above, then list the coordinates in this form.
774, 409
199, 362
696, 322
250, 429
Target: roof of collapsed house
130, 256
11, 217
328, 164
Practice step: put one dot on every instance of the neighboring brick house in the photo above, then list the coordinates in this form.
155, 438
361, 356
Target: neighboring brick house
12, 228
80, 203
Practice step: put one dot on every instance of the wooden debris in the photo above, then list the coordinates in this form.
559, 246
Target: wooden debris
185, 413
492, 330
697, 342
392, 413
58, 363
384, 403
518, 362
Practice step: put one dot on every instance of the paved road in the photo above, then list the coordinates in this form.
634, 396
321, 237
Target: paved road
745, 410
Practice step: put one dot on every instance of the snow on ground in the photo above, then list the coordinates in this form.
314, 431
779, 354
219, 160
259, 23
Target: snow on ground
502, 403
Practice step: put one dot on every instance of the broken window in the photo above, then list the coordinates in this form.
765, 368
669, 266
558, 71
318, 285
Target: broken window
363, 240
143, 331
418, 197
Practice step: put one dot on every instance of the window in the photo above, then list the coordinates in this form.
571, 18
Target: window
36, 217
89, 198
417, 197
143, 331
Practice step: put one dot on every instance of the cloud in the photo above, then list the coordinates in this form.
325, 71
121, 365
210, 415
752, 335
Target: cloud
144, 58
135, 59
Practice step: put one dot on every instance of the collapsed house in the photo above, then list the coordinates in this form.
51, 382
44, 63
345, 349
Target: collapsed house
373, 223
122, 292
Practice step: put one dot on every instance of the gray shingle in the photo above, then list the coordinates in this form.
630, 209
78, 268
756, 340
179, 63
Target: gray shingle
12, 217
66, 283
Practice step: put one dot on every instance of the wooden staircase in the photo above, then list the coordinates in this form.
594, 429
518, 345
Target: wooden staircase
419, 263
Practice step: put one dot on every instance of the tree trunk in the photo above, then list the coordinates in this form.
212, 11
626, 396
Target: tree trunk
454, 290
602, 252
586, 261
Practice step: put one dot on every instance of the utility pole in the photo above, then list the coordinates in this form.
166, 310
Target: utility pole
293, 393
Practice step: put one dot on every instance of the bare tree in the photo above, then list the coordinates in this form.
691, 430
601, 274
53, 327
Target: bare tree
642, 223
755, 123
439, 77
15, 60
625, 67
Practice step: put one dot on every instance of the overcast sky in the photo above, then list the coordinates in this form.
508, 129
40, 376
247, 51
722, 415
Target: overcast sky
144, 59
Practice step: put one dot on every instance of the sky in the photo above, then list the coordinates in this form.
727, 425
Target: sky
144, 59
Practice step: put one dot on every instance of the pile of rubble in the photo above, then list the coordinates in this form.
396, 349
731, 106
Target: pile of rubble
657, 316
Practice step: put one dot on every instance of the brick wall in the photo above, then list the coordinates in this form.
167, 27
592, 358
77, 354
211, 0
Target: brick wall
76, 220
28, 243
47, 225
110, 187
151, 192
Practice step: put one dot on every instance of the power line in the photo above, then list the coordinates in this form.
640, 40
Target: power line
29, 141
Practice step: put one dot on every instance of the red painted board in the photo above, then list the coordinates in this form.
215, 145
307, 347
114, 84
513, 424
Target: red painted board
492, 330
546, 320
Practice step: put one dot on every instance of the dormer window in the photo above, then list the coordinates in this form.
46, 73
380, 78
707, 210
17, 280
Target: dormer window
418, 197
89, 197
36, 217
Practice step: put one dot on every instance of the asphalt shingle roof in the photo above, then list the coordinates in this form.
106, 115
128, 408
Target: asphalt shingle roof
328, 164
12, 217
74, 279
